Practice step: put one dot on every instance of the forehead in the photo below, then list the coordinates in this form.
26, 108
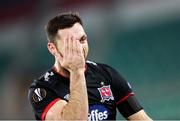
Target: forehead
76, 30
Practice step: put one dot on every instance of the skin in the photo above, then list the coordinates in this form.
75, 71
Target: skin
70, 53
139, 116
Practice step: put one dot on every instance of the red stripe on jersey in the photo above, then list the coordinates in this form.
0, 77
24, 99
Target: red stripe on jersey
124, 98
48, 107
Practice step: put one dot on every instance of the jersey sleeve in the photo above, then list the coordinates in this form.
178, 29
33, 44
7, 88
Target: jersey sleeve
125, 99
41, 100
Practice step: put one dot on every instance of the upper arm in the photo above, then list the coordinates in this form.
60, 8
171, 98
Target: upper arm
45, 103
55, 110
125, 99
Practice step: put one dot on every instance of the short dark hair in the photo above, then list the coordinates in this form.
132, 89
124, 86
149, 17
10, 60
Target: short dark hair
61, 21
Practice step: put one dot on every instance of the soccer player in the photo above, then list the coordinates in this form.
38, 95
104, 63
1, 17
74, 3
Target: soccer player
77, 89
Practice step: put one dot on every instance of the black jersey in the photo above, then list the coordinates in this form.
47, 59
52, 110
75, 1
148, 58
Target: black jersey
107, 90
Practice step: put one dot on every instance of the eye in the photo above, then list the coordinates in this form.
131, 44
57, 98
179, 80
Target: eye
83, 39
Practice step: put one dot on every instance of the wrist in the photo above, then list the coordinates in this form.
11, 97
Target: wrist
77, 71
77, 75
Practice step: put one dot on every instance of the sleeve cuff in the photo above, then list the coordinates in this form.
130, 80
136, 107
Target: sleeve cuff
124, 98
48, 107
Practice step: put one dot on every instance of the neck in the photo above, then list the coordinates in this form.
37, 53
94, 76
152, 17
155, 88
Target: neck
59, 69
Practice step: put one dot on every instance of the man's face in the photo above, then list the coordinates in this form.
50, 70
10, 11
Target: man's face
77, 32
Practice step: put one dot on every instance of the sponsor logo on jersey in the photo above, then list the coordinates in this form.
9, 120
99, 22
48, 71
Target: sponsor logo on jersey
46, 76
106, 93
39, 94
97, 113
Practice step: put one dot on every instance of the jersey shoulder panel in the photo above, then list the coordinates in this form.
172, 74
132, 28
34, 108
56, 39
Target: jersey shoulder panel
96, 65
91, 63
53, 81
45, 80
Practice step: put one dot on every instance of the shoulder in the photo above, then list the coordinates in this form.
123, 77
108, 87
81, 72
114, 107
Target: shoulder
104, 69
108, 71
99, 65
45, 80
42, 86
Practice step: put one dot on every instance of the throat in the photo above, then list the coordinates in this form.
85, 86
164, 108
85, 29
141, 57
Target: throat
60, 70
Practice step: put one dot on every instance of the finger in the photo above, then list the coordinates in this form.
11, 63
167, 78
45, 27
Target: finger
74, 46
60, 57
64, 49
79, 48
68, 45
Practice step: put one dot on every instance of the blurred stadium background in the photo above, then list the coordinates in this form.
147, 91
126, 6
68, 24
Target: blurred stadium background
140, 38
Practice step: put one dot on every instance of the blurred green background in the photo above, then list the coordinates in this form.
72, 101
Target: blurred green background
139, 38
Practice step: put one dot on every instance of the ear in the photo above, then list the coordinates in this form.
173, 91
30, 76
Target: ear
52, 48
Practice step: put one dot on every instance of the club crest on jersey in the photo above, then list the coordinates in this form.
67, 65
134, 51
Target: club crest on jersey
106, 93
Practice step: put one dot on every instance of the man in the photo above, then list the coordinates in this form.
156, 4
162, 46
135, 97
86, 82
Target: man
76, 89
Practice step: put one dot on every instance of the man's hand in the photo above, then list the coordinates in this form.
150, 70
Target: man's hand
72, 59
72, 55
